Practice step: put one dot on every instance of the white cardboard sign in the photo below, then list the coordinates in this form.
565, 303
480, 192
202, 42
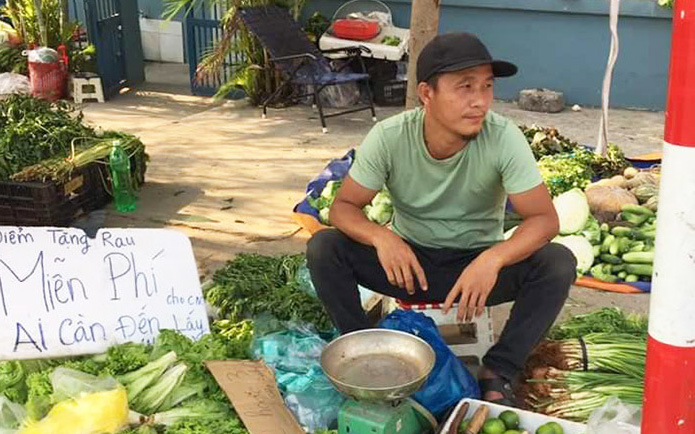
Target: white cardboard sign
63, 293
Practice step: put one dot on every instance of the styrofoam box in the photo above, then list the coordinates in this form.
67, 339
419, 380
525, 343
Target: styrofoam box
528, 420
377, 49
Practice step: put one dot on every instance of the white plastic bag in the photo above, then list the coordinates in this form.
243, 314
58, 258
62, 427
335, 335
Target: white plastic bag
614, 417
42, 55
11, 416
70, 384
13, 83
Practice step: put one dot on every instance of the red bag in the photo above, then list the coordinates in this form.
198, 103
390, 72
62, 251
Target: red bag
49, 80
359, 30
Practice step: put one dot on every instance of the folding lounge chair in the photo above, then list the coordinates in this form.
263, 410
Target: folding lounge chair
300, 60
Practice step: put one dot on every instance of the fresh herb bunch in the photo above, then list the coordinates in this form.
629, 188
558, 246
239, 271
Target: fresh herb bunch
254, 284
576, 169
563, 172
32, 130
606, 320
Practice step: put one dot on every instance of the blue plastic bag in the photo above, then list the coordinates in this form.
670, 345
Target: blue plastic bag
449, 381
334, 171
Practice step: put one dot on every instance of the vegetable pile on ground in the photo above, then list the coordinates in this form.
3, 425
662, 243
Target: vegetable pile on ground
167, 387
592, 358
622, 250
254, 284
164, 387
379, 211
565, 165
42, 141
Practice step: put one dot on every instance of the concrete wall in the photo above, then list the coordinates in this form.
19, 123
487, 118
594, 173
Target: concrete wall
561, 44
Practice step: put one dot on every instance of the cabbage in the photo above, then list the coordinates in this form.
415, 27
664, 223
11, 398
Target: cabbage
572, 210
582, 250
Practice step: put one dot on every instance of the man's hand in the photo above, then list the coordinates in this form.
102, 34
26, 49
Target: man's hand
474, 285
399, 262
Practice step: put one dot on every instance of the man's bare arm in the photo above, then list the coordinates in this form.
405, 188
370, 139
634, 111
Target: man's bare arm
395, 255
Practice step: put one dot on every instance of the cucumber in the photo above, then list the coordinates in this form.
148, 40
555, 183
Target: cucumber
617, 268
624, 245
608, 278
638, 257
622, 231
637, 247
635, 219
630, 278
614, 248
597, 251
623, 275
605, 228
637, 209
640, 269
605, 246
610, 259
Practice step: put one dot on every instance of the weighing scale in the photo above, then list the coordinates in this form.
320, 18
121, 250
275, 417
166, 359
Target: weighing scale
378, 369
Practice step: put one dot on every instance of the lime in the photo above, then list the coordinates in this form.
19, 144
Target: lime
557, 427
494, 426
510, 419
463, 426
545, 429
512, 431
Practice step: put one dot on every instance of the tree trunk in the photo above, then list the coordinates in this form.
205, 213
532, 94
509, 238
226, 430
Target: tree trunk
42, 24
424, 23
64, 16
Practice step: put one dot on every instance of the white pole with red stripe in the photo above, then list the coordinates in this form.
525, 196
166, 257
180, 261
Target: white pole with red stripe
669, 403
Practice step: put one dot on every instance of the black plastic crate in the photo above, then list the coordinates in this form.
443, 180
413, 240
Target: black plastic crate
51, 203
59, 204
390, 92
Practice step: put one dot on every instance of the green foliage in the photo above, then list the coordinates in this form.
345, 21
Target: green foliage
606, 320
253, 71
255, 284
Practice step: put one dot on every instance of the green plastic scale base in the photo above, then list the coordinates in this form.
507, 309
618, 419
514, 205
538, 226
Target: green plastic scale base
378, 418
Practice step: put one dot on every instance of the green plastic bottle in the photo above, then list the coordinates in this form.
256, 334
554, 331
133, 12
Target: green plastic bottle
122, 182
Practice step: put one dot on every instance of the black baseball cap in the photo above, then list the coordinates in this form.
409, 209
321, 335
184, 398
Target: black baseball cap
456, 51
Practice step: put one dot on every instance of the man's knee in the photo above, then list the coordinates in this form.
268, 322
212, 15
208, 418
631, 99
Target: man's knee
559, 265
323, 246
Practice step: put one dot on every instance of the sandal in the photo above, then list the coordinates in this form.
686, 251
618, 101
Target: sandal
498, 385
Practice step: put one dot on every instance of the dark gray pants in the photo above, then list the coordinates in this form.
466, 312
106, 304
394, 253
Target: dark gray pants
538, 286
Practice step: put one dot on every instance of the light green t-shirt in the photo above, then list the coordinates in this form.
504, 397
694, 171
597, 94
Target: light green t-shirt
457, 202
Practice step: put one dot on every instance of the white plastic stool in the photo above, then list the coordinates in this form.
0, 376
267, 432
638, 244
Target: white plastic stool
482, 337
81, 85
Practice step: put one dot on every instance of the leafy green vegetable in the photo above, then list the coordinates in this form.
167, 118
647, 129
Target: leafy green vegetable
151, 399
39, 391
606, 320
393, 41
12, 381
230, 425
124, 358
137, 381
380, 210
33, 130
547, 141
255, 284
592, 231
563, 172
200, 409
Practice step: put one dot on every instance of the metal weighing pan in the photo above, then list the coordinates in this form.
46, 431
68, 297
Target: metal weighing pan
378, 364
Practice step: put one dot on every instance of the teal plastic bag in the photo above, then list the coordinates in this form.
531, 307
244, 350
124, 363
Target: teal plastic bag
294, 353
